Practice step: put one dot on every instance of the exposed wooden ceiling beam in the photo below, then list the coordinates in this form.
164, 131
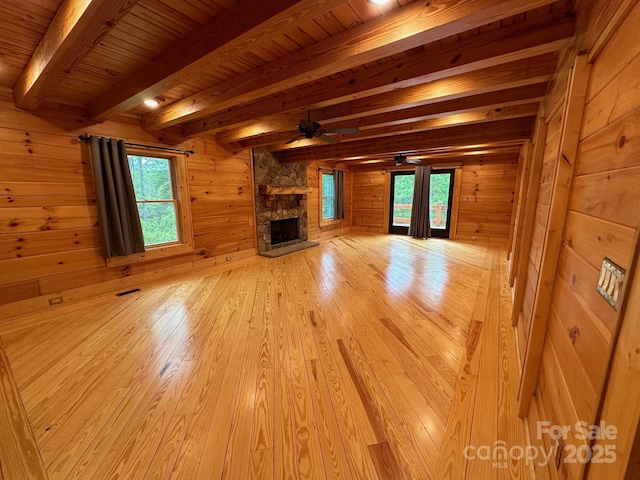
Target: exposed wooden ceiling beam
472, 149
77, 27
450, 120
248, 137
403, 119
496, 152
514, 78
407, 27
497, 46
501, 77
457, 154
494, 99
468, 135
510, 76
446, 161
248, 25
505, 154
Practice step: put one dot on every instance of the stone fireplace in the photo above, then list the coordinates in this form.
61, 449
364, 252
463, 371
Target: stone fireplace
280, 192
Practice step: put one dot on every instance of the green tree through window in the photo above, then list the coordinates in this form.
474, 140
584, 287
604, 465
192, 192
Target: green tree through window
440, 184
152, 182
328, 196
403, 195
439, 193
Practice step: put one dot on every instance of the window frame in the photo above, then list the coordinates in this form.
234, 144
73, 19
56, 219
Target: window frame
323, 222
181, 200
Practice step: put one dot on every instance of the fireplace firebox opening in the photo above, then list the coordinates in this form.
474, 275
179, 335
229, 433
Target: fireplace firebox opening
284, 230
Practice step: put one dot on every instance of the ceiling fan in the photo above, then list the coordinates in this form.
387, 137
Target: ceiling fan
311, 129
400, 159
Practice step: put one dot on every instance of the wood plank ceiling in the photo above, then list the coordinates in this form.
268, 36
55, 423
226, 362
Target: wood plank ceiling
437, 79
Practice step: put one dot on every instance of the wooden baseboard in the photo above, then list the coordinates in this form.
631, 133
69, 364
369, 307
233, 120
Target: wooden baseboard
482, 239
330, 234
359, 228
10, 311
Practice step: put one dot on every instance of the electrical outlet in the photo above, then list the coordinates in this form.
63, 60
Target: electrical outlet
465, 199
228, 259
55, 301
474, 238
610, 282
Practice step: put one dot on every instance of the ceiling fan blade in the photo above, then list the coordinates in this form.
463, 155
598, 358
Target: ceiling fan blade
292, 140
342, 130
328, 139
418, 162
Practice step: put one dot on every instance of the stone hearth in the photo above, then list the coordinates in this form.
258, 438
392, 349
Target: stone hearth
269, 171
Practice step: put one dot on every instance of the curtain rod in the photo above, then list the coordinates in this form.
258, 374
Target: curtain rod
85, 138
433, 167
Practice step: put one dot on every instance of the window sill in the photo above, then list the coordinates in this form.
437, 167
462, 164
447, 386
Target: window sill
154, 253
327, 223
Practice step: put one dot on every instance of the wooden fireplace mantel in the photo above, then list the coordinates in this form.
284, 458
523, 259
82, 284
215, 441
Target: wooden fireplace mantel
270, 192
278, 190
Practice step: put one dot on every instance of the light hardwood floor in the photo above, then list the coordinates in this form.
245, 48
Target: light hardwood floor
366, 357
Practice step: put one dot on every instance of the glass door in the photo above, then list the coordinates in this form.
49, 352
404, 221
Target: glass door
402, 184
440, 200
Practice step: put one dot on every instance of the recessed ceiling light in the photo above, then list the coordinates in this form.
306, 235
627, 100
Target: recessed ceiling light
379, 2
151, 103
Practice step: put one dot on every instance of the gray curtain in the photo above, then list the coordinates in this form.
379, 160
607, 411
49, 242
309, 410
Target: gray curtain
338, 177
420, 226
120, 229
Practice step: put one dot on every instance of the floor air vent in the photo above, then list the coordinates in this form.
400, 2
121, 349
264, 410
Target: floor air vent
122, 294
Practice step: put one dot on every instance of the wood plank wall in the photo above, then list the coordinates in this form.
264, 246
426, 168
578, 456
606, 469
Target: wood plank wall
604, 213
486, 199
368, 200
221, 201
543, 202
48, 234
555, 398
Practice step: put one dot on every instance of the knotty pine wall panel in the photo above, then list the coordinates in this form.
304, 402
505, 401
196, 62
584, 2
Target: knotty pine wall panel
488, 187
543, 202
369, 200
554, 394
604, 213
49, 239
222, 209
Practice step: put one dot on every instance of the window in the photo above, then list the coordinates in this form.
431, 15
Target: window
328, 196
331, 196
155, 195
160, 185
